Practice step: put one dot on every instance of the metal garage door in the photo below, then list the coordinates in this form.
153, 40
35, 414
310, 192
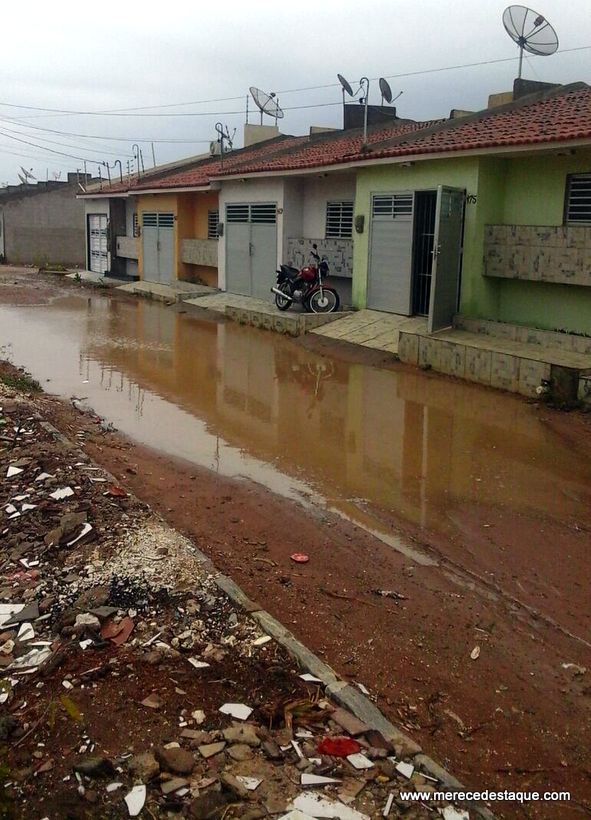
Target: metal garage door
98, 260
390, 253
251, 248
158, 246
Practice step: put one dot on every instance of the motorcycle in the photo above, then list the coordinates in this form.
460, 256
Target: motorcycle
305, 287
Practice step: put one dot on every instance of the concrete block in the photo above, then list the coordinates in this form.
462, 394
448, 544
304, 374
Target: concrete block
478, 365
408, 348
504, 371
531, 374
452, 358
428, 353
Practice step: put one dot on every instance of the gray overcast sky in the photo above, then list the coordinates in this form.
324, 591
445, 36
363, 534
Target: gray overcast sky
116, 55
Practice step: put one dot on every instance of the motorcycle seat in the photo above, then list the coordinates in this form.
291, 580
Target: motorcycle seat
290, 270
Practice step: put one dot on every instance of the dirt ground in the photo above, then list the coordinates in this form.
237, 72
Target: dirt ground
514, 718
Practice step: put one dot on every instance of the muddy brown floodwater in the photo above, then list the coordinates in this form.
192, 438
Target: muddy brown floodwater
473, 504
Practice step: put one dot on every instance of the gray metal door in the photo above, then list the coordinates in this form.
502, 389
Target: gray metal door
238, 249
158, 246
251, 248
389, 285
150, 246
165, 247
263, 249
447, 257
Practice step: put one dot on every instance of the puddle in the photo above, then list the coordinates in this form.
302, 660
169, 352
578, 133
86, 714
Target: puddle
251, 403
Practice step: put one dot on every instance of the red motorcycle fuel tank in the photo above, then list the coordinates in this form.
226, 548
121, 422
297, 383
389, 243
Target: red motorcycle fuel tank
308, 274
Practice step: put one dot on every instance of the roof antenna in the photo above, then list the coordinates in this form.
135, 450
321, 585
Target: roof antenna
267, 103
364, 100
531, 31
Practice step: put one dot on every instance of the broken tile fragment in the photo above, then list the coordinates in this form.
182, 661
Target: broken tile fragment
360, 761
211, 749
236, 710
135, 800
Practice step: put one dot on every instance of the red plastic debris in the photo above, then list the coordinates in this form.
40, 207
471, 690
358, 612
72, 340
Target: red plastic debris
300, 557
116, 492
338, 746
117, 633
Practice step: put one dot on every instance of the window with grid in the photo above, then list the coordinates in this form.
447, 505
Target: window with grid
213, 221
339, 220
136, 225
578, 198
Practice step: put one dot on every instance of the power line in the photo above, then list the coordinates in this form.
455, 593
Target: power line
131, 112
98, 150
51, 150
97, 136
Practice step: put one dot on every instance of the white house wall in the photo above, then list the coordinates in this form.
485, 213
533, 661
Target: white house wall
317, 191
251, 190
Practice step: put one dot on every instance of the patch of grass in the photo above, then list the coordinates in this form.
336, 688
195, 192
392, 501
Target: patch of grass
21, 382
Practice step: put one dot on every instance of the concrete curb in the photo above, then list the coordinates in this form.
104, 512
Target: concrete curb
338, 690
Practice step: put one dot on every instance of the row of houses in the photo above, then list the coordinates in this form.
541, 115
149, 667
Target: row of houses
486, 213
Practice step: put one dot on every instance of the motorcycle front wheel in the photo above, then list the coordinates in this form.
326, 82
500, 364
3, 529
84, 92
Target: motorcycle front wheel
323, 301
281, 302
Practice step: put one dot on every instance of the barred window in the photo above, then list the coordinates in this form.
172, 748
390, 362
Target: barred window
578, 198
136, 225
339, 220
213, 221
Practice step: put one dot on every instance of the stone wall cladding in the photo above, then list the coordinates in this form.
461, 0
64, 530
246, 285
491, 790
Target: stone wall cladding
522, 333
339, 253
200, 252
294, 324
557, 253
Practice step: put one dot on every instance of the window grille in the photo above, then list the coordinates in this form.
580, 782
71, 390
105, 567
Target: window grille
213, 221
578, 198
339, 220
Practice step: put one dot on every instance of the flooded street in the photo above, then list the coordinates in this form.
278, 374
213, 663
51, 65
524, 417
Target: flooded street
380, 446
472, 505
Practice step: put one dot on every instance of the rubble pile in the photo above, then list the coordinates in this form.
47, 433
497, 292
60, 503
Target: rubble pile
131, 686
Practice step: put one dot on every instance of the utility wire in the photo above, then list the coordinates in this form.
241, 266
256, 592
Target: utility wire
99, 149
123, 112
51, 150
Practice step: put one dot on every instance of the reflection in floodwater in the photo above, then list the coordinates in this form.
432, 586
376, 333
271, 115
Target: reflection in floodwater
252, 403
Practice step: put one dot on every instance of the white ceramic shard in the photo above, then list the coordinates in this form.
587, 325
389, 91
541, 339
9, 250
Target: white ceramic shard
135, 800
236, 710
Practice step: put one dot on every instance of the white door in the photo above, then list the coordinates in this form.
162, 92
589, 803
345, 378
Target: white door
389, 285
251, 248
447, 257
158, 246
97, 243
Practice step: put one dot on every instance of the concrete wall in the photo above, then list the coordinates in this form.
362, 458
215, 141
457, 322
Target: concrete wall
46, 226
316, 193
534, 195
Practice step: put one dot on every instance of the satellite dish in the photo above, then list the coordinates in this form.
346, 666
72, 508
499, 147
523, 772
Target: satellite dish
266, 103
345, 85
531, 31
27, 174
386, 91
22, 179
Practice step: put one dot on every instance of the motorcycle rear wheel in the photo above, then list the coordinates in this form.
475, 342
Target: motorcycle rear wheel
281, 302
326, 301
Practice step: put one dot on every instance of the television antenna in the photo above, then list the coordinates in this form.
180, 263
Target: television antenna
266, 103
224, 143
27, 174
385, 90
531, 31
364, 100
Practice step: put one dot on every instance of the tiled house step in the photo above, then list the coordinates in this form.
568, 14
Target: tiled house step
522, 333
508, 364
247, 310
372, 328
